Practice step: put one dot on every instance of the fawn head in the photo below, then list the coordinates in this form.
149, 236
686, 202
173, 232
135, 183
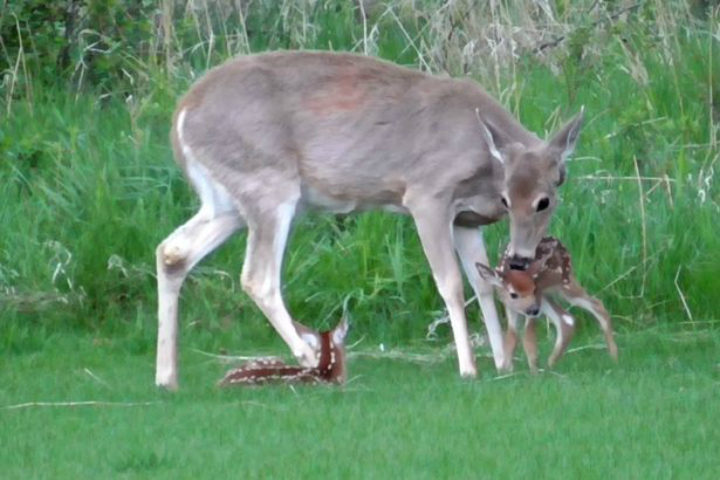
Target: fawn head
517, 289
330, 346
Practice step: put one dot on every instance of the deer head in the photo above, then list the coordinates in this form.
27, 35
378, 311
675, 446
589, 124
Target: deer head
532, 177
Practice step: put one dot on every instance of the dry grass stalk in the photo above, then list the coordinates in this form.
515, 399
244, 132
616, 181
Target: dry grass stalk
87, 403
644, 227
682, 297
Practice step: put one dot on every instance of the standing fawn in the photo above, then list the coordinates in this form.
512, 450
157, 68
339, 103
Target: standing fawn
263, 138
528, 293
330, 369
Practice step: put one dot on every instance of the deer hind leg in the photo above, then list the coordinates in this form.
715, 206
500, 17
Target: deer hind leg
216, 221
578, 297
530, 343
269, 222
434, 226
564, 325
471, 250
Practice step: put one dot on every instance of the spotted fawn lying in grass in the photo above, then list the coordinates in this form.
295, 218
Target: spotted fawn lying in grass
529, 293
330, 369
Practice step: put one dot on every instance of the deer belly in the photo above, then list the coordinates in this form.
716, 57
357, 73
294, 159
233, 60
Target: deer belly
352, 198
317, 200
471, 219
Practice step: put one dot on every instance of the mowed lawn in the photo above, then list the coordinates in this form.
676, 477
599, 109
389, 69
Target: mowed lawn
655, 415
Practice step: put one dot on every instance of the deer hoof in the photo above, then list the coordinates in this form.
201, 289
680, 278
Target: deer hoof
506, 367
307, 356
468, 373
170, 384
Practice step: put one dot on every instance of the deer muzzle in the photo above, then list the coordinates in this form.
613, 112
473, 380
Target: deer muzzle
517, 262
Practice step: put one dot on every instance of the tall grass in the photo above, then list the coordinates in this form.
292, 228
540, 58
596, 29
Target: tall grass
88, 185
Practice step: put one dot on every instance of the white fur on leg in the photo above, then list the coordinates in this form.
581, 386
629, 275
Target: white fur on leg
470, 246
261, 280
462, 339
547, 309
176, 256
182, 250
166, 368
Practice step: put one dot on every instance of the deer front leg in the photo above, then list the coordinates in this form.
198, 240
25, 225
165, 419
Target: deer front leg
577, 296
433, 223
471, 250
267, 237
511, 337
530, 344
564, 325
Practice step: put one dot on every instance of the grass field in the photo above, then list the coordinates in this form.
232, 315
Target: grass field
88, 188
655, 415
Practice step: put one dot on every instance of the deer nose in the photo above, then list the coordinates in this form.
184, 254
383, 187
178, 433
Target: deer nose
519, 263
533, 311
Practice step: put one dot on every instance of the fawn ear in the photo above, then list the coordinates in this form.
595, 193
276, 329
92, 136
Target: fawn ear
488, 274
309, 335
340, 331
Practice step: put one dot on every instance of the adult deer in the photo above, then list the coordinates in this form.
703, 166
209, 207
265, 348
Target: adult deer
264, 137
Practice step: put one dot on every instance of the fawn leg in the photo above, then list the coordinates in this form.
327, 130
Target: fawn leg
530, 343
577, 296
564, 325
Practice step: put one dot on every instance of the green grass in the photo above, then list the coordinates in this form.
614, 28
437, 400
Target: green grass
654, 415
89, 187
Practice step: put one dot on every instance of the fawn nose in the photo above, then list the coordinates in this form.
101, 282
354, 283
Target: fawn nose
519, 263
533, 311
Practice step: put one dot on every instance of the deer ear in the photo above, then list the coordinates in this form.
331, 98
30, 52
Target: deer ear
488, 274
565, 140
492, 137
340, 331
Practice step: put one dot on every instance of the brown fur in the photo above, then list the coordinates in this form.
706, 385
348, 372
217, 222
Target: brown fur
549, 273
331, 368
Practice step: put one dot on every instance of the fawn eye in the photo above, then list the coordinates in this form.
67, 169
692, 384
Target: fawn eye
504, 201
543, 204
513, 295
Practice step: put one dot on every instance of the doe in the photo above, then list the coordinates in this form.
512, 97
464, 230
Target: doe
528, 293
263, 138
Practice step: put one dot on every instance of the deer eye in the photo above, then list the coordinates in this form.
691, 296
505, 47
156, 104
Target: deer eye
504, 201
543, 204
513, 295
